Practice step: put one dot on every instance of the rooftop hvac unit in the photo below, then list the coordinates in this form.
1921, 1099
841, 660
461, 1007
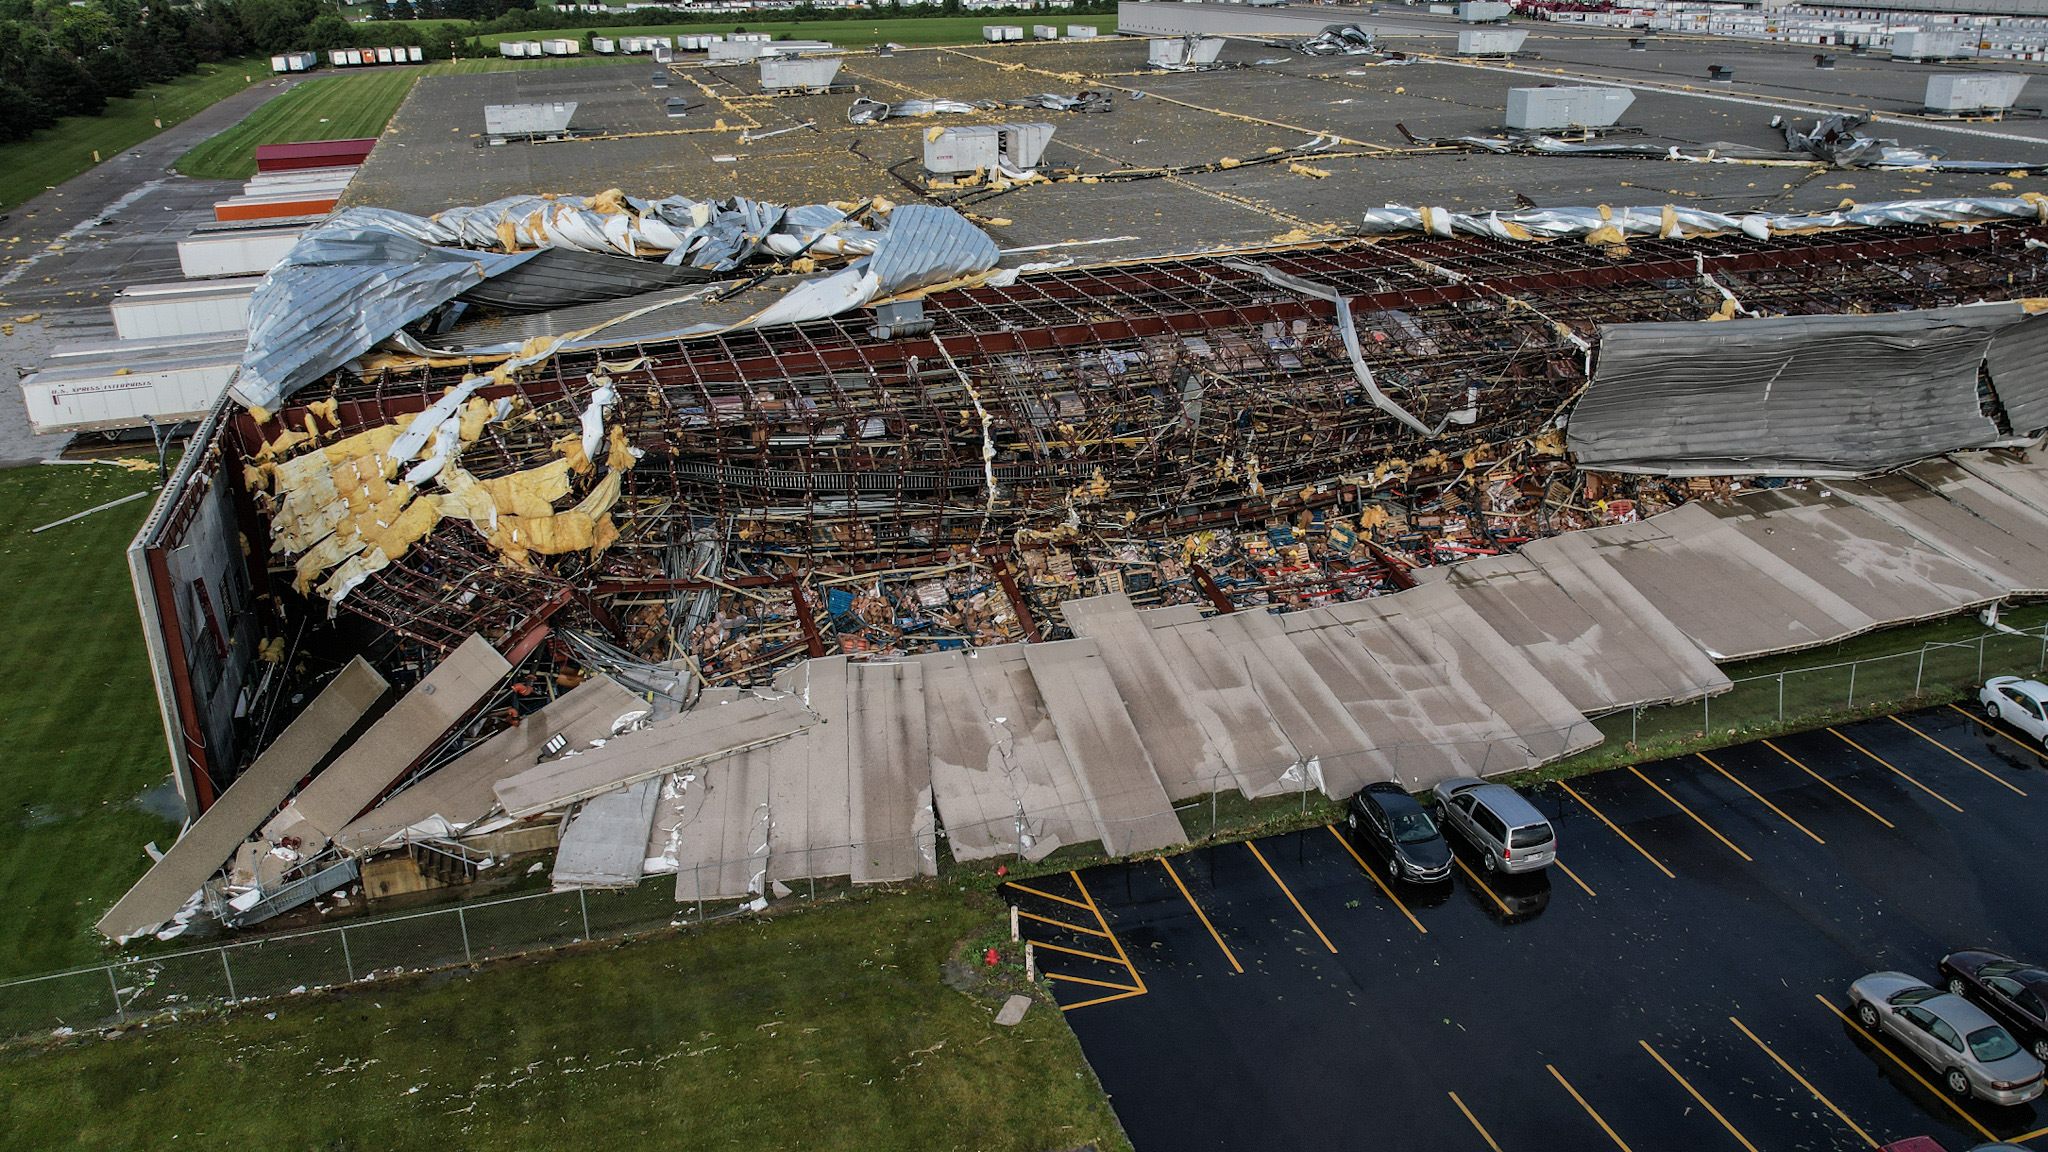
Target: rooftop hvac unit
528, 119
1490, 41
1483, 11
676, 108
1185, 51
737, 51
1081, 31
954, 151
1973, 92
658, 80
1045, 31
784, 74
1932, 45
1542, 109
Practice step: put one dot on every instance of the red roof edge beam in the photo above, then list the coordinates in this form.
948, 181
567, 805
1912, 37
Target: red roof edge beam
312, 154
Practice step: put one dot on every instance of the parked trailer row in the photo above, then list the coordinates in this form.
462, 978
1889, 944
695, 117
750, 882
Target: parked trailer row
295, 62
534, 49
360, 57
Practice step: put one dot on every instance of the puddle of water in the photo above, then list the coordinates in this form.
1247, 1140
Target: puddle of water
164, 801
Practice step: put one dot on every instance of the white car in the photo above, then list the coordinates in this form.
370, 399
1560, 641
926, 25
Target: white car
2020, 703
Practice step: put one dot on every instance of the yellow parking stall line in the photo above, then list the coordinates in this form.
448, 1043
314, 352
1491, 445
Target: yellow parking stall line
2018, 738
1060, 923
1483, 1133
1099, 1000
1076, 952
2028, 1136
1689, 812
1804, 1083
1574, 794
1687, 1085
1113, 941
1759, 797
1909, 1069
1957, 755
1902, 775
1047, 895
1284, 891
1213, 933
1575, 878
1375, 876
1474, 877
1096, 983
1597, 1118
1830, 784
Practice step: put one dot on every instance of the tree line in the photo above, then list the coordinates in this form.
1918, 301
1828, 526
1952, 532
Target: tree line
68, 58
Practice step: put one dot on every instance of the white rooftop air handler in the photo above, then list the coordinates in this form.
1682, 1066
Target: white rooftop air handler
1918, 45
1081, 32
1490, 41
787, 74
989, 147
1542, 109
501, 120
737, 51
1483, 11
1973, 91
1184, 51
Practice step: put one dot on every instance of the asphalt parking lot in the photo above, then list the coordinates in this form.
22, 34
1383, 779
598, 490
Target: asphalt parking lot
1678, 981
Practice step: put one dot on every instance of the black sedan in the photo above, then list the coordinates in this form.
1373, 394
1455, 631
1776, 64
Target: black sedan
1401, 832
2013, 991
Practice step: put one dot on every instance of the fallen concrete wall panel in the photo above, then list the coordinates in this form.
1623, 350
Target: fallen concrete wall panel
1130, 806
1601, 642
1183, 752
705, 733
398, 738
715, 817
889, 754
605, 846
2013, 563
460, 791
811, 804
1225, 697
211, 839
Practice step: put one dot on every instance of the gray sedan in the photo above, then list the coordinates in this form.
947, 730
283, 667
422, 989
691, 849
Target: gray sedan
1967, 1049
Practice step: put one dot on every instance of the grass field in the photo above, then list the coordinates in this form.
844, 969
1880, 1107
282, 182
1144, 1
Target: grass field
338, 107
80, 736
54, 155
826, 1029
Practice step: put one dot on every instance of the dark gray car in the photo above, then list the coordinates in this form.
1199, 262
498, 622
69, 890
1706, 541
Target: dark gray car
1971, 1053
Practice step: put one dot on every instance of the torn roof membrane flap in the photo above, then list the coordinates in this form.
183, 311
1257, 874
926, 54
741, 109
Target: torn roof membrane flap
1788, 395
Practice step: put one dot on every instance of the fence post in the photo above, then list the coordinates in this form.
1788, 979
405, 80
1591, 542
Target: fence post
1922, 669
463, 921
1781, 697
116, 986
1212, 802
1707, 714
229, 973
1980, 658
583, 902
2044, 647
346, 959
1635, 716
1852, 682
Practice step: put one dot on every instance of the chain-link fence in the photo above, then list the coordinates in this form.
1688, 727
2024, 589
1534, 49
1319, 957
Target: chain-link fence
1810, 696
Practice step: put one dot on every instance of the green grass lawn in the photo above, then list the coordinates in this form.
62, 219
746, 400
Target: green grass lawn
829, 1028
335, 107
54, 155
80, 735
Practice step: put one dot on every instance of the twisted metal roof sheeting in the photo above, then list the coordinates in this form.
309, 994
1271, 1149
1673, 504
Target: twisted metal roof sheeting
1789, 395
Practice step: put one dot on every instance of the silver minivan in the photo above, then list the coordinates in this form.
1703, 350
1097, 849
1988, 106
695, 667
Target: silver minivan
1510, 834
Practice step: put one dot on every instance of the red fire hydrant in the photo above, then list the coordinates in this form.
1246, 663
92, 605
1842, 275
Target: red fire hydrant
993, 957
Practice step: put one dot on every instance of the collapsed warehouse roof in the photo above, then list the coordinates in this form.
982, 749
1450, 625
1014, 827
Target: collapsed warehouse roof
1004, 559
